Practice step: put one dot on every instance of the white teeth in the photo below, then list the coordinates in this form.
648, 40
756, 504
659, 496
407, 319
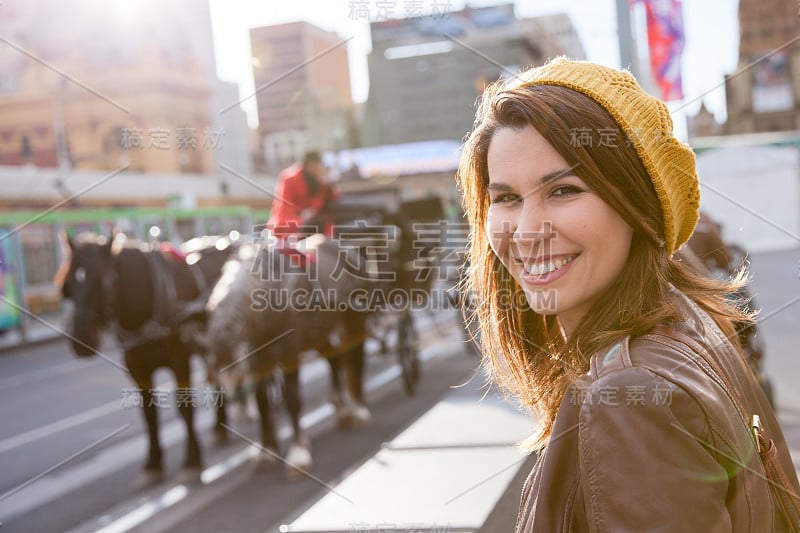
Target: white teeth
540, 269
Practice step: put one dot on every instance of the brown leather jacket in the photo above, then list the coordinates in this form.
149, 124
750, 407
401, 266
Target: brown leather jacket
656, 437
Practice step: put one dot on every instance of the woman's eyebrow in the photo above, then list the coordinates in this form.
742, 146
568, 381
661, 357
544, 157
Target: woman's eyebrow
541, 182
547, 178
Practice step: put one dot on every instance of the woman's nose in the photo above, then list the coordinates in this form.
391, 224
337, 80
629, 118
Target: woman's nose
532, 226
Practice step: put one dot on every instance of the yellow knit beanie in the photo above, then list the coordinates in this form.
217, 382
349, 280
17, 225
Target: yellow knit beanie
644, 120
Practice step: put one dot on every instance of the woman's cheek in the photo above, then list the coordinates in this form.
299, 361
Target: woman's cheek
498, 239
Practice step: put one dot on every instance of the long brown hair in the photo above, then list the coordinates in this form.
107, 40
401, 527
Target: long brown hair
525, 351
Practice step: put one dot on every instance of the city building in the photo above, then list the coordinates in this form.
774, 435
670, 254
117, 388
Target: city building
764, 92
302, 81
703, 123
130, 84
426, 72
233, 150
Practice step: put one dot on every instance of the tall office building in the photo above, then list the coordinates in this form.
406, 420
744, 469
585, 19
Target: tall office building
764, 93
302, 81
426, 72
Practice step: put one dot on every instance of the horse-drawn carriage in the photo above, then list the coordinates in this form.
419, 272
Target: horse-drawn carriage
319, 293
370, 266
401, 242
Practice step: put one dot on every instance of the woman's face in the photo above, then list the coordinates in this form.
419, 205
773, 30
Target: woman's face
559, 240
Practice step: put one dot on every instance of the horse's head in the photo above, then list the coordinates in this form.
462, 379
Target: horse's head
88, 283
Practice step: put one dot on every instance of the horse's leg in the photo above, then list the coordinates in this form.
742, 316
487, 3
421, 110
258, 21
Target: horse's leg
151, 419
220, 433
355, 374
239, 399
216, 387
359, 414
142, 374
354, 358
181, 367
332, 327
268, 437
298, 457
334, 359
227, 384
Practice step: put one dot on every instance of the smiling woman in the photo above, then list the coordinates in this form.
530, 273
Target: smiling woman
578, 196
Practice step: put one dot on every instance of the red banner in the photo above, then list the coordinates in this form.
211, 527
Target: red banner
665, 36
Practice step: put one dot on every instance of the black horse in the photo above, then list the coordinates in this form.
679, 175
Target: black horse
155, 301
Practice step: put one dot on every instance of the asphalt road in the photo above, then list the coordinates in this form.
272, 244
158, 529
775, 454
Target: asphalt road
72, 445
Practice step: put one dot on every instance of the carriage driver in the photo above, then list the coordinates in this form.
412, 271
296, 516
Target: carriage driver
302, 192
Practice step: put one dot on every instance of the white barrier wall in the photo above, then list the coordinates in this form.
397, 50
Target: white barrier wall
754, 192
21, 184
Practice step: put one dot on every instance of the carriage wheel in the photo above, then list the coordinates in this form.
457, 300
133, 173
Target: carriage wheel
407, 352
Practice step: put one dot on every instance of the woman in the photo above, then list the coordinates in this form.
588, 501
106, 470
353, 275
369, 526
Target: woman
578, 195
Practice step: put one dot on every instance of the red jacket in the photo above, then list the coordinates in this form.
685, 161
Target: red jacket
292, 199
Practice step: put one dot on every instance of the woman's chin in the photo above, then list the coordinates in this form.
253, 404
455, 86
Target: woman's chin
541, 301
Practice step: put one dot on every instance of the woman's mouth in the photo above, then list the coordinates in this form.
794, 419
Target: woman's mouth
547, 270
545, 267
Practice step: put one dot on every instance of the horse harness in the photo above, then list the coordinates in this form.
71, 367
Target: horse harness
168, 314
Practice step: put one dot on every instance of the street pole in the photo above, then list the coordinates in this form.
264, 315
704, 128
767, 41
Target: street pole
18, 275
62, 153
628, 56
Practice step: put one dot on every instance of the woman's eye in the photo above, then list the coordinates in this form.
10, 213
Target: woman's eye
504, 198
565, 190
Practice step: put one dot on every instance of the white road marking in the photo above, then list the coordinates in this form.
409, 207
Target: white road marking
55, 427
134, 518
42, 373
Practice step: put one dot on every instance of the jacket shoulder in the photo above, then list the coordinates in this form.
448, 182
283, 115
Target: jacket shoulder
674, 372
644, 373
657, 353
